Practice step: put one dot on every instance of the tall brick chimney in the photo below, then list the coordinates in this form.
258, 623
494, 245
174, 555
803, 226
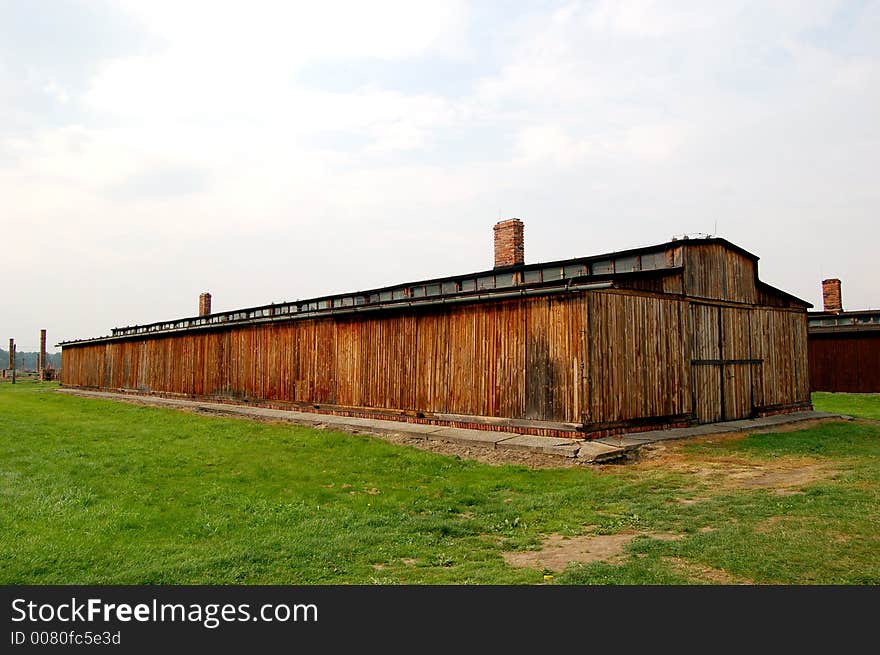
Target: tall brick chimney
831, 298
509, 244
204, 304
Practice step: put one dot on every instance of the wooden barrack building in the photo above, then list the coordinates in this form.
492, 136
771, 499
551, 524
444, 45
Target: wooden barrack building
844, 345
667, 335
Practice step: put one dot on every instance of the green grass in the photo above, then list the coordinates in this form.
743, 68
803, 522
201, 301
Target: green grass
862, 405
103, 492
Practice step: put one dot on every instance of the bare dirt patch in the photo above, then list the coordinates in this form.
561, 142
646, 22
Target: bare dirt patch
783, 475
697, 572
558, 551
769, 525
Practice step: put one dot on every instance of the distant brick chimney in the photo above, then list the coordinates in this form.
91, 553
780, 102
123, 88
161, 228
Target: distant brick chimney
831, 298
509, 244
204, 304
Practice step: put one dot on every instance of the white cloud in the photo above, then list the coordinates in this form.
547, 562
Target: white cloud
263, 31
650, 18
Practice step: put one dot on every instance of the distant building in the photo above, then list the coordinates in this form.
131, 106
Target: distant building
667, 335
844, 346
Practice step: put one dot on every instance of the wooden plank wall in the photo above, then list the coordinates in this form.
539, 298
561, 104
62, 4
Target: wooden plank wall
845, 362
779, 337
533, 358
714, 271
596, 357
737, 375
638, 357
705, 347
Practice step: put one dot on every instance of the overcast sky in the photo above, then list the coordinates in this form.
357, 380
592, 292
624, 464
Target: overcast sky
264, 152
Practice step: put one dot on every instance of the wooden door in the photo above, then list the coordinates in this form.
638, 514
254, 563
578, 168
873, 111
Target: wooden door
705, 360
736, 377
721, 363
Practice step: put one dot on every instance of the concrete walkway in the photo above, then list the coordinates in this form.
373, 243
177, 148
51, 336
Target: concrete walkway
588, 451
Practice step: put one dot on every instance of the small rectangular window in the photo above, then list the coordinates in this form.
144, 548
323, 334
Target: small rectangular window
504, 280
432, 290
603, 267
385, 296
398, 294
450, 287
468, 285
573, 270
653, 260
552, 273
626, 264
486, 282
417, 292
531, 277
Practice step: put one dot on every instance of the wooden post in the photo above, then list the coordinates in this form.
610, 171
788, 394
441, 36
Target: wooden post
41, 365
12, 358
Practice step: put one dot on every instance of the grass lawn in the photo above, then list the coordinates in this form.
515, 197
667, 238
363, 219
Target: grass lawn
863, 405
104, 492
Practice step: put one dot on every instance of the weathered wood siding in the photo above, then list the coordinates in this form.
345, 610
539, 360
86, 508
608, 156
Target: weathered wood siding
599, 357
736, 372
845, 362
705, 349
746, 360
638, 357
779, 339
713, 271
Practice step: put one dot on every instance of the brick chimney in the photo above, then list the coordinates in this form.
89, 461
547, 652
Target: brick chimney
204, 304
831, 298
509, 244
